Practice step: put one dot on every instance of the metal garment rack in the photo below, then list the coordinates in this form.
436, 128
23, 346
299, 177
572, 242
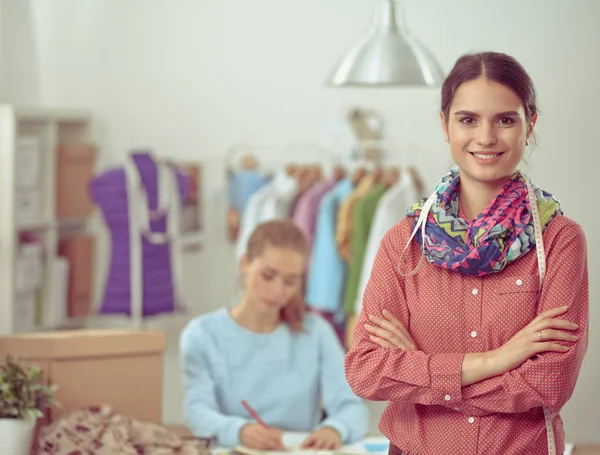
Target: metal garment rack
271, 157
368, 154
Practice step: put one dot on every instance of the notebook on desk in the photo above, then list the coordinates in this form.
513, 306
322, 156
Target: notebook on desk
373, 445
240, 450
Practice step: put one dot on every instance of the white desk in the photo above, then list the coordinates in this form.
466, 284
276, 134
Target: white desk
371, 445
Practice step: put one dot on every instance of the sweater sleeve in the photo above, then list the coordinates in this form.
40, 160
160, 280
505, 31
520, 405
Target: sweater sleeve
381, 374
201, 410
549, 378
345, 411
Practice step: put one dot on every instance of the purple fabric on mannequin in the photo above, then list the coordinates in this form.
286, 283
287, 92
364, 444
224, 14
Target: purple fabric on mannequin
108, 190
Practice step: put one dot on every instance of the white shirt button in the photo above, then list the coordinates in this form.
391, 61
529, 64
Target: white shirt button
519, 282
457, 409
473, 334
447, 398
471, 420
475, 291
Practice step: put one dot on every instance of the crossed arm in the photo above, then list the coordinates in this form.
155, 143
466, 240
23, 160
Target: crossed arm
385, 363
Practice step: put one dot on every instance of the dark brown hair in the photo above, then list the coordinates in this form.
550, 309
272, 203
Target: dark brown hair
494, 66
281, 234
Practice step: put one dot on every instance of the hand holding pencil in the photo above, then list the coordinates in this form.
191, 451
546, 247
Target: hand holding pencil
259, 435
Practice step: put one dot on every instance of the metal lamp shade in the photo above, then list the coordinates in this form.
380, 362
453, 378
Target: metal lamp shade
387, 56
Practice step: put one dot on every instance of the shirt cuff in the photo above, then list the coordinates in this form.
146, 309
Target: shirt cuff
445, 372
338, 426
229, 434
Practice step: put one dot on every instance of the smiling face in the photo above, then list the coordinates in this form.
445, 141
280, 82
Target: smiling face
487, 129
273, 279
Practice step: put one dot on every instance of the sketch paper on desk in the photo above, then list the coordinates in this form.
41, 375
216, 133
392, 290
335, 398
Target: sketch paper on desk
373, 445
370, 445
296, 451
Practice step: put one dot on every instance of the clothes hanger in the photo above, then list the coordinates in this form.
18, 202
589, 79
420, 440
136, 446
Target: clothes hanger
313, 174
270, 153
391, 176
358, 175
291, 169
305, 176
248, 162
271, 163
378, 174
338, 172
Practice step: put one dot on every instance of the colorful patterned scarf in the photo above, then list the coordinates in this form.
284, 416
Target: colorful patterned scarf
499, 235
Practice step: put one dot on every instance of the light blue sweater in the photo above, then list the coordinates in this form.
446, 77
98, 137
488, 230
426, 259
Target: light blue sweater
287, 378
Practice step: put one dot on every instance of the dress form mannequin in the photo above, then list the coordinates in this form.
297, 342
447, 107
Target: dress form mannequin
144, 275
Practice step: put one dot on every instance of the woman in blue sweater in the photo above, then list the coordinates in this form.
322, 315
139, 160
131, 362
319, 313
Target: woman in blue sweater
287, 365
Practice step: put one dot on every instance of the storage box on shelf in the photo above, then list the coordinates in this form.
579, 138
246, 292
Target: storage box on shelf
75, 169
78, 250
123, 369
46, 160
27, 181
29, 269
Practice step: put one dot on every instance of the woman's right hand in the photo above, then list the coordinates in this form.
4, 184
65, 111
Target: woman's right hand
541, 335
255, 436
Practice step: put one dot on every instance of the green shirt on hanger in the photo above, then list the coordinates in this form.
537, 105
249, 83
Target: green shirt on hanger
362, 218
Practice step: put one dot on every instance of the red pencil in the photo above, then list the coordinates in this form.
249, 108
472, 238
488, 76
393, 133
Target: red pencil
254, 414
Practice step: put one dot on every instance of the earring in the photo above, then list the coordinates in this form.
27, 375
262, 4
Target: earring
526, 141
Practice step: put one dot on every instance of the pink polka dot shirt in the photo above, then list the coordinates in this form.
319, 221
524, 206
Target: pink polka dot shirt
448, 315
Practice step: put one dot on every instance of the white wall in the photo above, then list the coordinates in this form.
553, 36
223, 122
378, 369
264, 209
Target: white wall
190, 77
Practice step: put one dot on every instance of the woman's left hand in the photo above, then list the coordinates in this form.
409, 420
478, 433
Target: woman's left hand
389, 332
326, 438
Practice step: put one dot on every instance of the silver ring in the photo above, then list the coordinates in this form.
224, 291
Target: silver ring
541, 336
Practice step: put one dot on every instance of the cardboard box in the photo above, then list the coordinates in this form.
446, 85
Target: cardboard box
74, 171
123, 369
78, 250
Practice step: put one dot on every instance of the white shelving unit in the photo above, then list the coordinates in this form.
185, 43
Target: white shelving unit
47, 128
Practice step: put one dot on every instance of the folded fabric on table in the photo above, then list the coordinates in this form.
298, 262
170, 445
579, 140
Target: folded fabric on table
101, 431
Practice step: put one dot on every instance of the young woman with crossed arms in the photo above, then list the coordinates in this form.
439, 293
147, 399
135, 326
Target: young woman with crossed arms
475, 332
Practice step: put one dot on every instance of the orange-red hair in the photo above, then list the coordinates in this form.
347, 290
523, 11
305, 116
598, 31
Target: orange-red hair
281, 234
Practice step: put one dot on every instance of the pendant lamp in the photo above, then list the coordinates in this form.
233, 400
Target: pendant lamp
387, 56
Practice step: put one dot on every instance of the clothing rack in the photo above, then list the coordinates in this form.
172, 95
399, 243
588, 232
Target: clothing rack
270, 157
368, 155
318, 160
365, 157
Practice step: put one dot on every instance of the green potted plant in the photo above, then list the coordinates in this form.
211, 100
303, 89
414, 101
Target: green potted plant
23, 399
